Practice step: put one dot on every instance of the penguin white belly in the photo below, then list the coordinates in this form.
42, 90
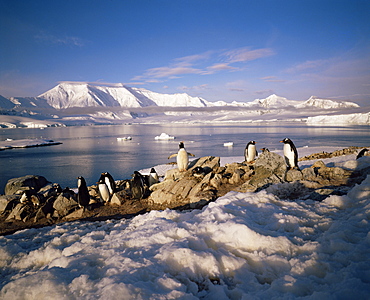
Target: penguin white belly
153, 179
104, 192
289, 155
182, 160
109, 186
251, 153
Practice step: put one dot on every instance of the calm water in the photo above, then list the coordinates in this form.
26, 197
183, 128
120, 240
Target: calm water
89, 150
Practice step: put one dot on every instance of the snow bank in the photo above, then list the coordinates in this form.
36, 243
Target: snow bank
349, 119
242, 246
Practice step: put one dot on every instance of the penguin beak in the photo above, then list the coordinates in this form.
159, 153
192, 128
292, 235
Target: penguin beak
281, 141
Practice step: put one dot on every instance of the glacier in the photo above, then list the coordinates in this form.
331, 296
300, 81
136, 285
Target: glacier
82, 103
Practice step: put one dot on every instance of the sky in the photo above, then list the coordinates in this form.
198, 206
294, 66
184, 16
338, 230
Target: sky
215, 49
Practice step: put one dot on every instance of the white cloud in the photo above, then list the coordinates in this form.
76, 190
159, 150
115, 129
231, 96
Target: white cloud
67, 40
246, 54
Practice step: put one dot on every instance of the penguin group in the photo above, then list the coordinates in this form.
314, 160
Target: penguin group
289, 150
138, 187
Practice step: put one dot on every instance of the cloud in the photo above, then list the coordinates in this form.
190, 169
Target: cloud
307, 65
67, 40
272, 79
206, 63
218, 67
246, 54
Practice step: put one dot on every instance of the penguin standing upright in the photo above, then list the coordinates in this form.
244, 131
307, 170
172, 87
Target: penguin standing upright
83, 196
153, 177
182, 157
363, 152
103, 190
290, 154
250, 152
109, 181
137, 185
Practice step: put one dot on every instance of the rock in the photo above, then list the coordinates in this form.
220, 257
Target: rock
64, 204
293, 175
270, 168
77, 214
21, 212
7, 202
28, 182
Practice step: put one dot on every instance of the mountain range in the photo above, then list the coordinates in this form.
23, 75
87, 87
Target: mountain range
95, 103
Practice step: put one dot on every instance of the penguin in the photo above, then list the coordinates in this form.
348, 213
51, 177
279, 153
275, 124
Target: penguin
83, 196
264, 150
290, 154
153, 177
199, 172
26, 197
109, 181
363, 152
103, 190
137, 185
250, 152
182, 157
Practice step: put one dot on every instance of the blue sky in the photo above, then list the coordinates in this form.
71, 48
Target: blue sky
219, 50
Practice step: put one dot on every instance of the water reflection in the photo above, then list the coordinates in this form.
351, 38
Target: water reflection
89, 150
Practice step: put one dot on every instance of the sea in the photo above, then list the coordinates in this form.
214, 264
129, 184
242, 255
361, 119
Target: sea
90, 150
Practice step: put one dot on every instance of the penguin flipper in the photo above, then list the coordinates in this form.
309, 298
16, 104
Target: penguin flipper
172, 155
191, 154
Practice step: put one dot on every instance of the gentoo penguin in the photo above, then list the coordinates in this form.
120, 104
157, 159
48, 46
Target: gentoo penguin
83, 196
182, 157
137, 185
153, 177
363, 152
264, 150
290, 154
198, 172
109, 181
250, 152
103, 190
26, 197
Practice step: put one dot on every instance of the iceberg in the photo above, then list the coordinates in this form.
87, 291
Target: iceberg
164, 136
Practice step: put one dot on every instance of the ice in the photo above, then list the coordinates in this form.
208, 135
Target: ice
242, 246
164, 136
25, 143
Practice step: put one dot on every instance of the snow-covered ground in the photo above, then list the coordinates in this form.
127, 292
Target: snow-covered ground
242, 246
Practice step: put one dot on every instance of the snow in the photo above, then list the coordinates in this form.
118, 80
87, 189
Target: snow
25, 143
242, 246
83, 103
340, 119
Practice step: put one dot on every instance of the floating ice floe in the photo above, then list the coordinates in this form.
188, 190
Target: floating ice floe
26, 143
164, 136
126, 138
228, 144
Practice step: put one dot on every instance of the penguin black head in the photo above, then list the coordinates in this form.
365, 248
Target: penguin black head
264, 150
152, 170
252, 142
81, 181
198, 171
181, 145
286, 141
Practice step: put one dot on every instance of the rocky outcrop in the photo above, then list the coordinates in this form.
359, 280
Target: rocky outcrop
29, 182
204, 181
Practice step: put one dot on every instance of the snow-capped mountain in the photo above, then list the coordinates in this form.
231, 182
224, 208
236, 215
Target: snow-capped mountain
86, 103
314, 101
66, 95
274, 101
